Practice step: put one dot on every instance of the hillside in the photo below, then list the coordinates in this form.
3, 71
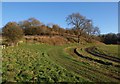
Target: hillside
62, 63
52, 40
56, 39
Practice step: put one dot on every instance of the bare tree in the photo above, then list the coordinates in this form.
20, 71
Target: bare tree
91, 31
88, 27
78, 22
50, 25
96, 31
34, 22
56, 28
29, 25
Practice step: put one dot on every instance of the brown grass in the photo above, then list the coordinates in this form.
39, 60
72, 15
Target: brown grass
54, 40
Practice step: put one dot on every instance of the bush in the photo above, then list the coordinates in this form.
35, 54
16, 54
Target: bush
12, 32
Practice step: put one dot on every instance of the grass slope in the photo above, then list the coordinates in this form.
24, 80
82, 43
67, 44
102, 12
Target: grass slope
30, 62
47, 63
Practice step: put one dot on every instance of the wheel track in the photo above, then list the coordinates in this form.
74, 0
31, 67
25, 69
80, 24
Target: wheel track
83, 71
110, 75
91, 50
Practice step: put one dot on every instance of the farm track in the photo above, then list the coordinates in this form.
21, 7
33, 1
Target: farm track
93, 70
91, 59
91, 50
96, 60
83, 70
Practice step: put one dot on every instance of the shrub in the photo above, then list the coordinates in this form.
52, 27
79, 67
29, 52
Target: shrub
12, 32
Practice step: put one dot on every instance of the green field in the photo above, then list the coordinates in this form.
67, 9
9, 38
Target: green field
48, 63
109, 50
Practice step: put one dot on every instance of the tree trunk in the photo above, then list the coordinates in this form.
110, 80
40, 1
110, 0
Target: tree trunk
79, 35
78, 38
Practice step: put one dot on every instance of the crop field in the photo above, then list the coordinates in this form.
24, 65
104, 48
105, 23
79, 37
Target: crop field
67, 63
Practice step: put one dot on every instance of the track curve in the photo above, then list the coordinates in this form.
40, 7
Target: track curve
91, 50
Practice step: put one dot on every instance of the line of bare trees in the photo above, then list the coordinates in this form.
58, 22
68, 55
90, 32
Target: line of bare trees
80, 26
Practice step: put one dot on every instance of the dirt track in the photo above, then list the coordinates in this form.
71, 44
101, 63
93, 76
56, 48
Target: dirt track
91, 59
99, 61
91, 50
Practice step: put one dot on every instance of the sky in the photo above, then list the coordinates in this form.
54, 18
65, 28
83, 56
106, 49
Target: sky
103, 14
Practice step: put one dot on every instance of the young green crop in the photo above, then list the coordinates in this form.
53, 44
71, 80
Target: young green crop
27, 63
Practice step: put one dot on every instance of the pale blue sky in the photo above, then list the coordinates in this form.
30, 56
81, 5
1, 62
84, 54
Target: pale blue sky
103, 14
